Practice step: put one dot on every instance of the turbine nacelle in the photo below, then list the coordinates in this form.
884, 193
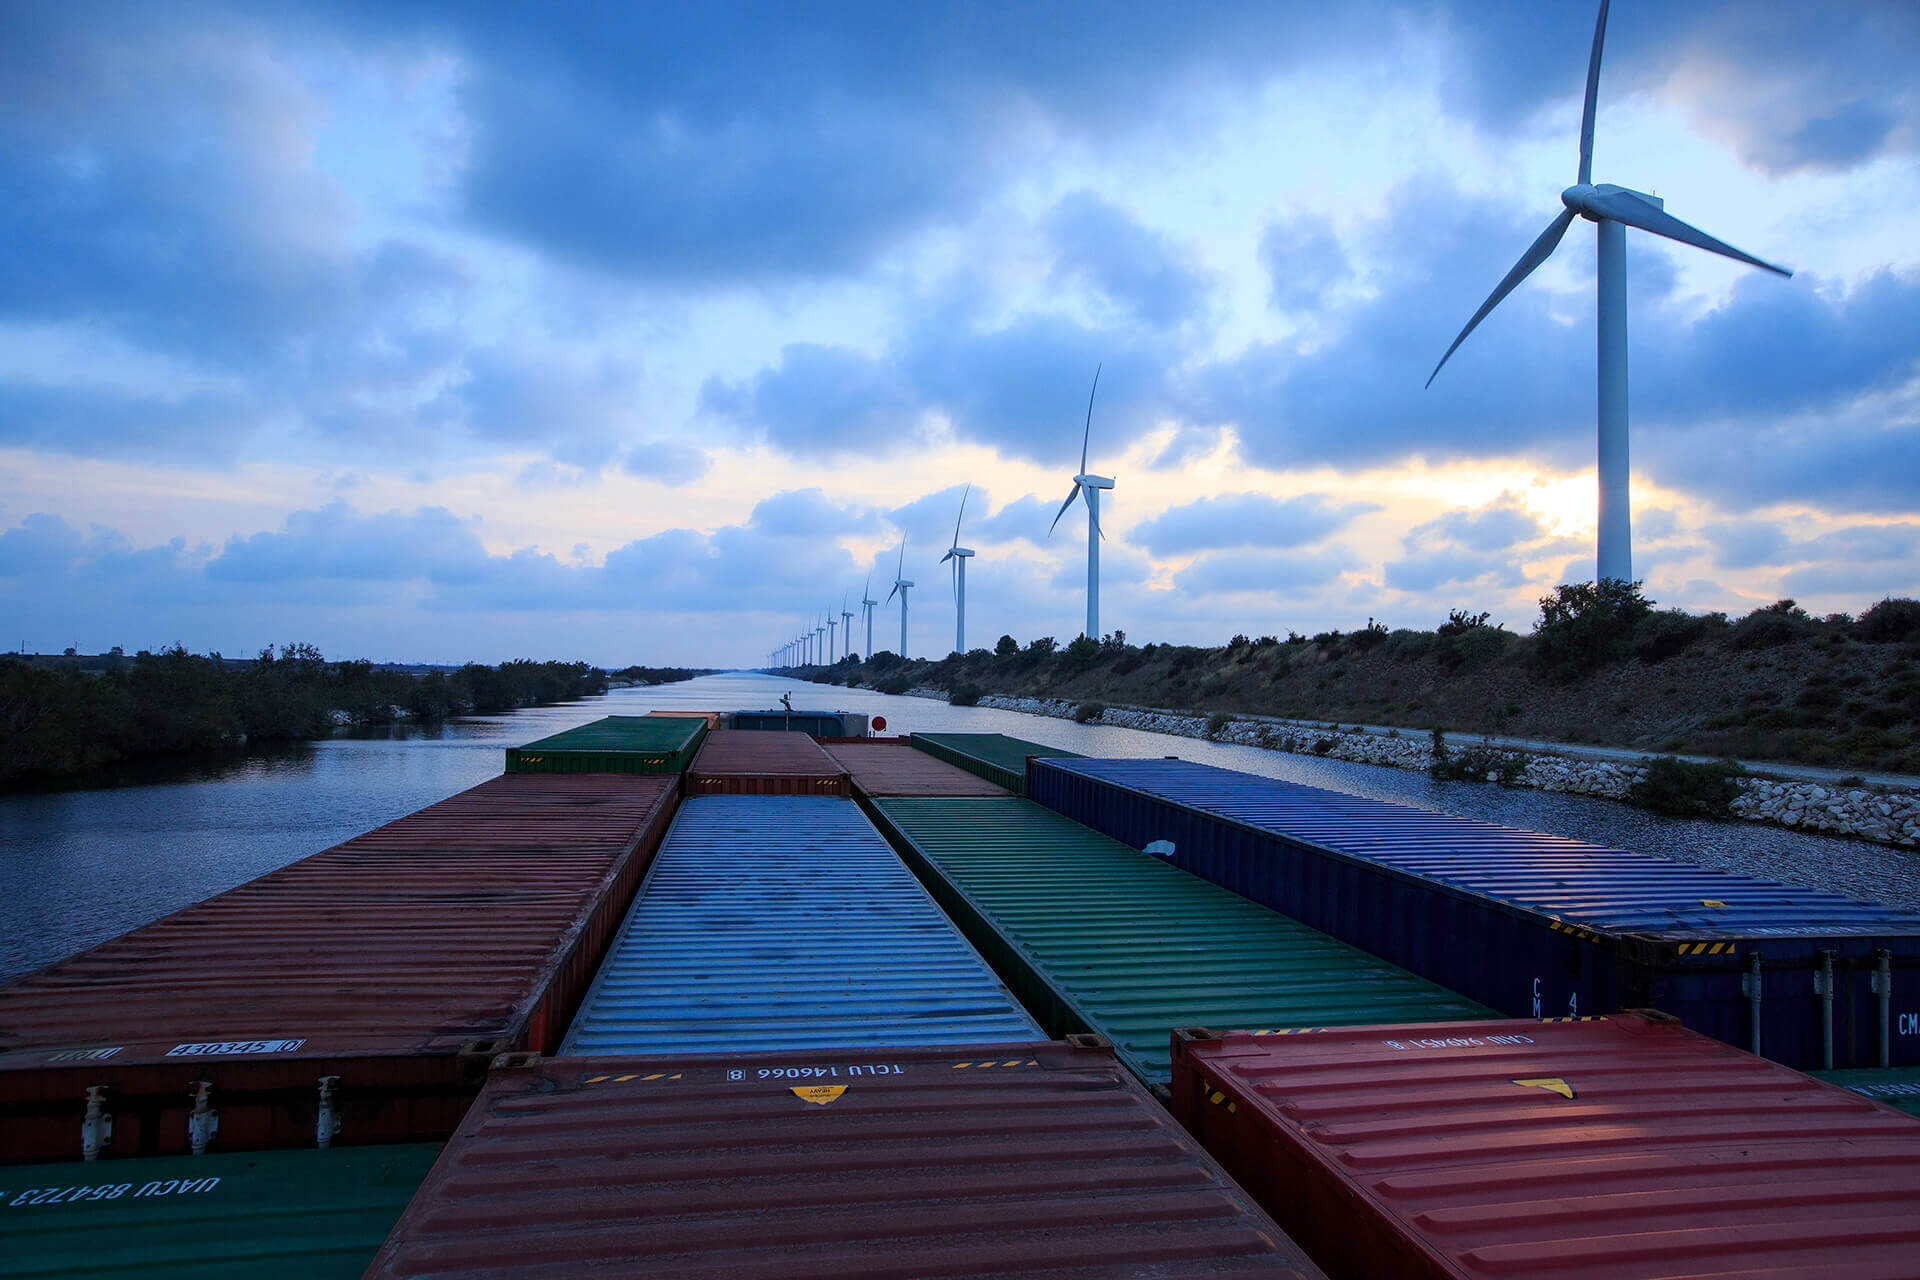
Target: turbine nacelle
1094, 482
1590, 200
956, 553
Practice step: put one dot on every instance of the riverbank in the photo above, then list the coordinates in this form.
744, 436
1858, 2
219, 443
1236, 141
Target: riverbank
1884, 814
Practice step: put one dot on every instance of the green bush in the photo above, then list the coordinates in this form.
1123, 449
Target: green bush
1585, 626
1217, 723
1082, 652
1892, 620
1666, 633
1687, 788
896, 684
965, 695
1781, 622
1089, 711
1006, 648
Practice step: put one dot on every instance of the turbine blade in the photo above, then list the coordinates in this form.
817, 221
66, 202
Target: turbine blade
1094, 516
1537, 253
963, 513
1593, 96
892, 594
1624, 206
1089, 431
1063, 507
954, 573
948, 556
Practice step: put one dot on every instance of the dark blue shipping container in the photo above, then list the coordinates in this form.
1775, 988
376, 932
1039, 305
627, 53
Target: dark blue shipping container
1530, 924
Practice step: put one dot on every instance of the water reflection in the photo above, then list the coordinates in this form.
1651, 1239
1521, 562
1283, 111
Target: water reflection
80, 866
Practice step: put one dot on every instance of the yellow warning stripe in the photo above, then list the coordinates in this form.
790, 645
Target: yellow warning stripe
1591, 1017
1560, 926
1010, 1062
658, 1075
1289, 1031
1708, 948
1216, 1097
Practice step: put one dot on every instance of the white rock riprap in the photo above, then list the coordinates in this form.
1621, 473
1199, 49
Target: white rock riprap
1882, 815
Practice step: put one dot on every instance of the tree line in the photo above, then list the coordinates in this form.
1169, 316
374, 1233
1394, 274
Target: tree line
62, 721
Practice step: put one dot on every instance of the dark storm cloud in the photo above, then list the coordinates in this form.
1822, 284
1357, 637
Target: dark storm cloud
1108, 251
1245, 520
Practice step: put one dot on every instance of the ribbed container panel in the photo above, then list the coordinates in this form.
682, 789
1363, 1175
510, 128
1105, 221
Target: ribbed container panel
1528, 923
1102, 938
786, 922
994, 756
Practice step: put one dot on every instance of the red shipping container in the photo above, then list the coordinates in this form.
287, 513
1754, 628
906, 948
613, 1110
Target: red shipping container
368, 985
764, 762
1615, 1147
892, 767
1001, 1160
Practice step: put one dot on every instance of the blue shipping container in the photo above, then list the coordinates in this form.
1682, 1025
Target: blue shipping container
787, 922
1530, 924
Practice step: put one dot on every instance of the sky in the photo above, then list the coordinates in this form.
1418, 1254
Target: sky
645, 334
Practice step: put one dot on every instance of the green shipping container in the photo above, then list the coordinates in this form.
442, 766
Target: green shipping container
1898, 1087
1095, 936
614, 744
994, 756
286, 1214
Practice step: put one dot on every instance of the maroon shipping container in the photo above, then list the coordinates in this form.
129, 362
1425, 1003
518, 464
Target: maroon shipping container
367, 986
764, 762
892, 767
1003, 1160
1624, 1146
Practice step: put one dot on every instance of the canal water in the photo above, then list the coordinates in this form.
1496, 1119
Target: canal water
79, 867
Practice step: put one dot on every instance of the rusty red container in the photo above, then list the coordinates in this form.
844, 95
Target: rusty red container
892, 767
764, 762
1617, 1147
1002, 1160
353, 996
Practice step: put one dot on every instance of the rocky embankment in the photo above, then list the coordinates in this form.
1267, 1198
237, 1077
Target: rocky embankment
1882, 815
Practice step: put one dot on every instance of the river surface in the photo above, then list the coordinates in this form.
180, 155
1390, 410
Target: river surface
79, 867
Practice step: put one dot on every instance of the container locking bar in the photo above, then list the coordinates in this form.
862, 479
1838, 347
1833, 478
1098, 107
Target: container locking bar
203, 1122
327, 1123
1883, 995
1823, 987
1750, 988
96, 1131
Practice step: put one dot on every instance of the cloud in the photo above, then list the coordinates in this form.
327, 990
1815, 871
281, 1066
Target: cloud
1304, 261
1025, 517
337, 542
1505, 522
818, 399
1103, 248
809, 513
1743, 544
1246, 520
1263, 572
1447, 566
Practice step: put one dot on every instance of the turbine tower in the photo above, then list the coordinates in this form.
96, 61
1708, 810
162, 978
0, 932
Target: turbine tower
1613, 209
1090, 486
900, 584
846, 616
833, 625
819, 632
959, 555
867, 605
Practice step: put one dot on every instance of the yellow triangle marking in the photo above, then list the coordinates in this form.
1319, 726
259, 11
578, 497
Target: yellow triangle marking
595, 1079
819, 1094
1552, 1084
961, 1066
1712, 902
623, 1079
656, 1075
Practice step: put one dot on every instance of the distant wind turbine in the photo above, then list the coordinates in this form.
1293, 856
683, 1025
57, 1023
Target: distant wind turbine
1091, 486
867, 606
833, 625
900, 585
959, 555
819, 632
1614, 209
846, 616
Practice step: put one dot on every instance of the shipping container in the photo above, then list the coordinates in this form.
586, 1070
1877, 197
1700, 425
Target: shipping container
304, 1215
1616, 1147
1898, 1087
713, 718
786, 922
820, 724
891, 767
1530, 924
614, 744
1097, 937
994, 756
354, 996
1004, 1160
764, 762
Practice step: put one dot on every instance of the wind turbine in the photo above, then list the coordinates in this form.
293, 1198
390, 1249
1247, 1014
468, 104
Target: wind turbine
1091, 487
959, 555
1613, 209
819, 631
846, 616
833, 625
900, 584
867, 606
